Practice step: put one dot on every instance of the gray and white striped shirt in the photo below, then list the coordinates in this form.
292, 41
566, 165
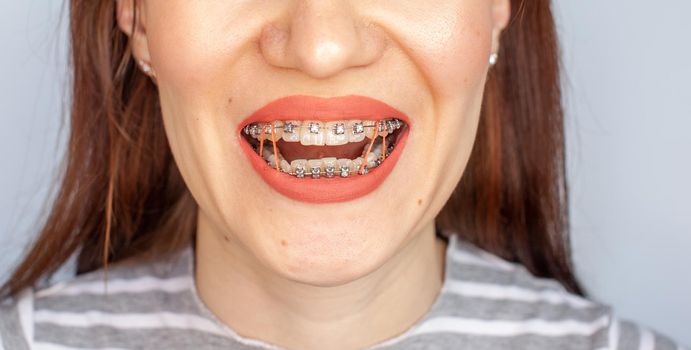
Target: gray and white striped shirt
485, 303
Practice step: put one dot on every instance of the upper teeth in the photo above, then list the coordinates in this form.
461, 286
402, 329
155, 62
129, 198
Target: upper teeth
318, 133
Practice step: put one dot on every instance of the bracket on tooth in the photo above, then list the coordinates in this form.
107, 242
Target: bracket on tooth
358, 128
252, 130
381, 125
314, 128
345, 171
330, 171
288, 127
316, 172
339, 129
299, 172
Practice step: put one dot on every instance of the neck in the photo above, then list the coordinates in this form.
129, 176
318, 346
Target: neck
259, 304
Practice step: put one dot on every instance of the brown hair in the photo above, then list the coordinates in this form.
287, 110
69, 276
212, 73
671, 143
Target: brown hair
121, 194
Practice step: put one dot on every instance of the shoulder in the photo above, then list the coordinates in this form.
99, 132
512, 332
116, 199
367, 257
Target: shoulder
16, 320
521, 304
70, 306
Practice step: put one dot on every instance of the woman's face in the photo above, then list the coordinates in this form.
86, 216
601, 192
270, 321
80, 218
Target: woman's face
219, 62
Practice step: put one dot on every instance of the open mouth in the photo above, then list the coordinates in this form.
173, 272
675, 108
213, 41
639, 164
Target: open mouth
324, 150
315, 149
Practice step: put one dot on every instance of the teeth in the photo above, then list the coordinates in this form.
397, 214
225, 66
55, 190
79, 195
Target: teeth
331, 133
312, 133
325, 167
357, 162
285, 166
371, 160
355, 130
336, 134
392, 125
267, 153
291, 131
299, 167
345, 167
330, 166
382, 128
278, 130
253, 130
315, 167
319, 133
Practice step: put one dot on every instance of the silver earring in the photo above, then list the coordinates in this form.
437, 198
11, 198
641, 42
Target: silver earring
493, 58
145, 67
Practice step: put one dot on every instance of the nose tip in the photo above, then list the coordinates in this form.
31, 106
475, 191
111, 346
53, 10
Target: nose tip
320, 39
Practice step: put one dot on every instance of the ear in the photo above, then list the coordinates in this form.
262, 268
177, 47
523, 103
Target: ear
131, 19
501, 13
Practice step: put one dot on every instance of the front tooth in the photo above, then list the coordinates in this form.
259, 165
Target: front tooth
330, 166
312, 133
299, 167
336, 133
356, 130
345, 167
315, 167
291, 131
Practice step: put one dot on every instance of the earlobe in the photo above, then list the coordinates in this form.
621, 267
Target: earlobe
501, 13
130, 19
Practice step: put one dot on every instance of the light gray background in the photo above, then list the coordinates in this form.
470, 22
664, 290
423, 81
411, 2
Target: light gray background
629, 128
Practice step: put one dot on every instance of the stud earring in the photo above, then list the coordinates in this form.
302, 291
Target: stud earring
146, 68
493, 58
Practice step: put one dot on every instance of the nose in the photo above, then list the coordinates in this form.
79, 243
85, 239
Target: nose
321, 38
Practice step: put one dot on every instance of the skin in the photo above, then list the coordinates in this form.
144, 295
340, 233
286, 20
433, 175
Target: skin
313, 276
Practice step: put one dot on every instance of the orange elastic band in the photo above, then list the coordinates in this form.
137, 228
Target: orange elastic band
273, 138
364, 161
261, 142
383, 147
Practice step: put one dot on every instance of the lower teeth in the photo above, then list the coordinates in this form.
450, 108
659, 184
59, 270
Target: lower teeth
326, 167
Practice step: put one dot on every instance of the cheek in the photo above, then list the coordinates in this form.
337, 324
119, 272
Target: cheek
450, 43
192, 42
191, 52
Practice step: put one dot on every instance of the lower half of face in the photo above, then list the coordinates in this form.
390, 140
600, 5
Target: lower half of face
320, 139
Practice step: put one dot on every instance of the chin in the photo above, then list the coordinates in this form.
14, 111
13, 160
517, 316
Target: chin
329, 259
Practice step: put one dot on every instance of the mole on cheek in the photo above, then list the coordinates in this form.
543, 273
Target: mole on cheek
284, 243
419, 202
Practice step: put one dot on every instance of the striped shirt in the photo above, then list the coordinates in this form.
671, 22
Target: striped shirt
485, 303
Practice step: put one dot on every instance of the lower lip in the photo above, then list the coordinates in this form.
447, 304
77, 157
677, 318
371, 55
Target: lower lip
325, 190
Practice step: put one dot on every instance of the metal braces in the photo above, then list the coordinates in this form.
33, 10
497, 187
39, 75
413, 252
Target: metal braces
390, 125
383, 126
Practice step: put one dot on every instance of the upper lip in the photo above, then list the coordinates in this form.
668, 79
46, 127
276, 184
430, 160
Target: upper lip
300, 107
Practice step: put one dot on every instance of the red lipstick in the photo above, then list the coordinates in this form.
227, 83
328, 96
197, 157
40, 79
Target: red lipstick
324, 190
